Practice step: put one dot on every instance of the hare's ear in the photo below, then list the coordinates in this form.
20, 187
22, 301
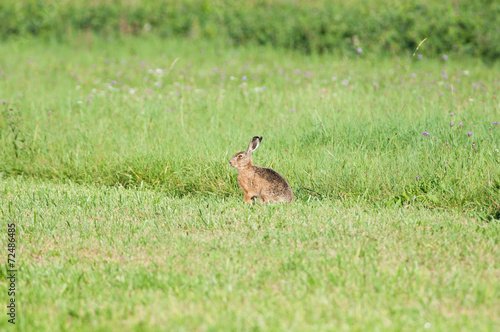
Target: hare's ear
254, 144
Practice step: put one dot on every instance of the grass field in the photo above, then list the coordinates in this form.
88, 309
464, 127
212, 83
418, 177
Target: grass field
114, 168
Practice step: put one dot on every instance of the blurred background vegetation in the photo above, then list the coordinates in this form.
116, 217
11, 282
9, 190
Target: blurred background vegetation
318, 26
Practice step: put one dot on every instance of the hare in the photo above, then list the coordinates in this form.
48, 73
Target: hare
255, 181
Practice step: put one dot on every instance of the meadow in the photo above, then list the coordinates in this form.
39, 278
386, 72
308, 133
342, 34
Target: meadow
114, 167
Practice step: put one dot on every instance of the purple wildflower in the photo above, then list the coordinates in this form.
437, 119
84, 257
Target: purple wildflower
451, 124
244, 78
445, 57
473, 144
50, 112
292, 110
452, 114
359, 50
461, 124
420, 56
3, 101
417, 177
425, 133
495, 123
469, 133
113, 82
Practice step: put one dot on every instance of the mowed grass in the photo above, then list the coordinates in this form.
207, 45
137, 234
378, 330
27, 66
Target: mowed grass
114, 167
98, 258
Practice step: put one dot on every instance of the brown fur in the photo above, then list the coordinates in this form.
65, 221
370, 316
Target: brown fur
255, 181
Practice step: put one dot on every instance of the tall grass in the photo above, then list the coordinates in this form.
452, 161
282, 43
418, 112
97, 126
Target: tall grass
167, 116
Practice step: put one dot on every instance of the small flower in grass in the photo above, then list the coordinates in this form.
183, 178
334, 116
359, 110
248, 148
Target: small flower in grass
495, 123
417, 177
359, 50
292, 110
461, 124
425, 133
452, 114
49, 112
244, 78
420, 56
473, 144
445, 57
113, 82
3, 101
469, 133
452, 124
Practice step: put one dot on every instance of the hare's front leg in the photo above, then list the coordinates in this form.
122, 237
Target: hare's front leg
248, 198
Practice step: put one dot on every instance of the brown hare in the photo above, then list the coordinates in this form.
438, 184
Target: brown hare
255, 181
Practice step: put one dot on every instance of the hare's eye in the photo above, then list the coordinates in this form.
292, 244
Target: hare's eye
240, 156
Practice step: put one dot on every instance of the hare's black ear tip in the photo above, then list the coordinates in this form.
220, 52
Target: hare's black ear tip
260, 138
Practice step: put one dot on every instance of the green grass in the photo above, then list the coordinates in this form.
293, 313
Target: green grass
112, 259
345, 139
130, 218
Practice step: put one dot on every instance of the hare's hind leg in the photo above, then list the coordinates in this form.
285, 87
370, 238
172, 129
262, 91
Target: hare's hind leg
266, 199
